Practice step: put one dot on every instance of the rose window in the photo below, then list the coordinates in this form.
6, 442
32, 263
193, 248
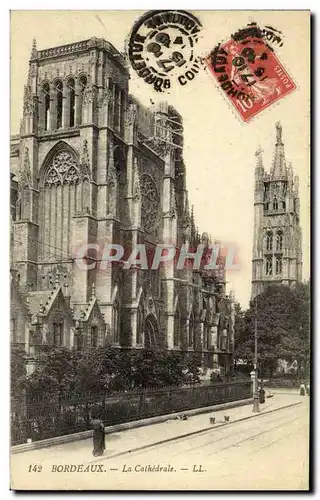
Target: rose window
149, 203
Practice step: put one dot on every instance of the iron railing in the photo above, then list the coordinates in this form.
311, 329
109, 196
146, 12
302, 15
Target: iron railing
45, 416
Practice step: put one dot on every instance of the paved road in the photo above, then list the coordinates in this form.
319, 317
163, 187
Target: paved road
269, 452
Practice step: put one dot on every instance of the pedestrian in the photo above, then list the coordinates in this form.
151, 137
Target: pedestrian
262, 394
98, 436
302, 389
308, 389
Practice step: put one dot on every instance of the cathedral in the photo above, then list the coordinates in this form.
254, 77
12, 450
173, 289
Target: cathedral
92, 166
277, 254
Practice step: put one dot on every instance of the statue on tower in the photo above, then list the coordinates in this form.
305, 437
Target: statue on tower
279, 133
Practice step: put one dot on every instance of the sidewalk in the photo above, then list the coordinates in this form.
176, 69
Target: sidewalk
80, 452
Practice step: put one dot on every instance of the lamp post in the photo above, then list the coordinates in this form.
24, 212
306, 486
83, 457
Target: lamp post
256, 408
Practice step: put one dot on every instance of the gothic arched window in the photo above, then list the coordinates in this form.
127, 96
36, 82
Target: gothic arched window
46, 102
278, 265
176, 334
279, 240
268, 266
94, 336
206, 332
117, 108
122, 110
224, 339
269, 240
83, 83
61, 197
13, 330
191, 331
151, 333
78, 341
115, 322
59, 103
140, 325
275, 203
110, 101
71, 101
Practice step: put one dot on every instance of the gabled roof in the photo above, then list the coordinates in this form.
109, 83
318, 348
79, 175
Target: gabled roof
83, 311
42, 298
40, 303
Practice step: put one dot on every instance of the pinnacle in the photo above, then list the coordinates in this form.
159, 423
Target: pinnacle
279, 170
34, 52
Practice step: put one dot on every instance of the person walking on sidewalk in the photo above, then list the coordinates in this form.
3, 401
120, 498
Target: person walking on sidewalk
262, 394
302, 389
308, 390
99, 444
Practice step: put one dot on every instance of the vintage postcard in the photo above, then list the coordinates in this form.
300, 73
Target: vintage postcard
159, 263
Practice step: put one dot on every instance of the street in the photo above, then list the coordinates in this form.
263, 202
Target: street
264, 451
270, 452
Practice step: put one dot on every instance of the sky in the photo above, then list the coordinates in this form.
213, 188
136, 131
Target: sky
218, 146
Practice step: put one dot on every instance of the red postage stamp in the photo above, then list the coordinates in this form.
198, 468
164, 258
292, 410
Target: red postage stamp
250, 73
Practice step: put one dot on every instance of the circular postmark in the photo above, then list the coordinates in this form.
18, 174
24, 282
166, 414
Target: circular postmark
162, 46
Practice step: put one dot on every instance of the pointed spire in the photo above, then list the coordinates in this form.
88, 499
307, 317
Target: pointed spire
186, 212
290, 172
279, 133
279, 171
24, 173
258, 154
34, 52
198, 237
192, 226
192, 216
28, 107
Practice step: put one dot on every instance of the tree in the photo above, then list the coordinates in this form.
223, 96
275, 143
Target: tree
61, 371
18, 369
156, 368
55, 372
283, 325
239, 334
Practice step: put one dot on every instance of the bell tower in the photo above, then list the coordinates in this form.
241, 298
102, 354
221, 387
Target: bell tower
277, 254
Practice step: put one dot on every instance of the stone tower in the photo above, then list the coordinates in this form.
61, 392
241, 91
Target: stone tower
276, 254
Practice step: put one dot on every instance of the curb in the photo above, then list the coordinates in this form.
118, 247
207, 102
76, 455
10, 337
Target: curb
181, 436
68, 438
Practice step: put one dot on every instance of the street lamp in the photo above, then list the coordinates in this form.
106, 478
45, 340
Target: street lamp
256, 408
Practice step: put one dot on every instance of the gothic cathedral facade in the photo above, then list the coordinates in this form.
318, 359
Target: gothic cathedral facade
277, 253
92, 166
